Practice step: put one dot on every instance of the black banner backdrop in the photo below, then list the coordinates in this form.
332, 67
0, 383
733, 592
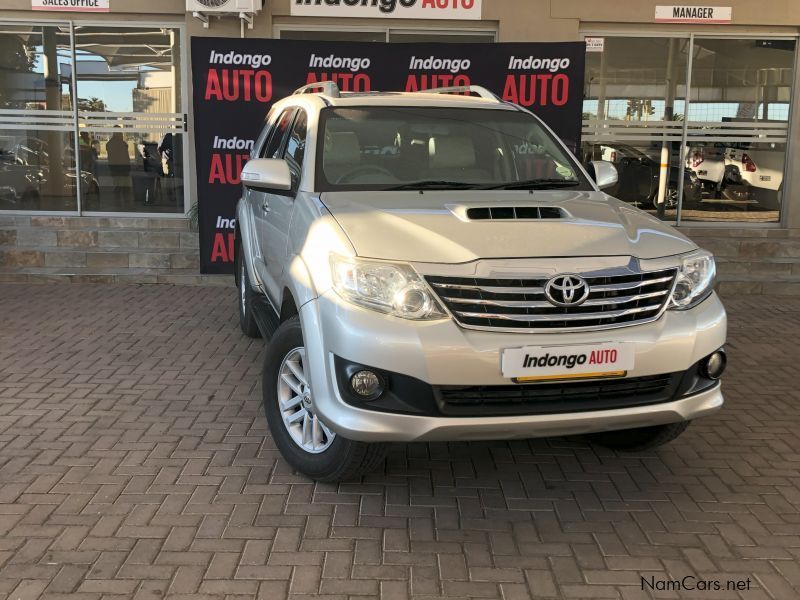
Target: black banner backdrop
236, 81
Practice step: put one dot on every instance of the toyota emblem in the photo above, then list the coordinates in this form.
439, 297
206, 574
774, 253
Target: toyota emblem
566, 290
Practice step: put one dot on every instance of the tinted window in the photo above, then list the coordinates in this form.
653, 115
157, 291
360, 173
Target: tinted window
394, 147
273, 145
296, 146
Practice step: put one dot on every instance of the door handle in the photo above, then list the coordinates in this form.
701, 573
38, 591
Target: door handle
265, 206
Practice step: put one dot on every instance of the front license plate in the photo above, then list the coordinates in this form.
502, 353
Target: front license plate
542, 363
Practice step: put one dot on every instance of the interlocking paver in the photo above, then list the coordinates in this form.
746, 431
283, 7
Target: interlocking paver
135, 464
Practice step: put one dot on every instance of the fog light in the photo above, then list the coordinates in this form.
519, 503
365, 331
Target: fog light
714, 365
366, 384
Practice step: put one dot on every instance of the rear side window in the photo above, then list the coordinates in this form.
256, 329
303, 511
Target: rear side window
296, 146
272, 147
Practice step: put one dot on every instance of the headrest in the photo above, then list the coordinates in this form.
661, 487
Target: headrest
451, 152
342, 149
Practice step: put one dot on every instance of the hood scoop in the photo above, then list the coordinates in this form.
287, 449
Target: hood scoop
510, 213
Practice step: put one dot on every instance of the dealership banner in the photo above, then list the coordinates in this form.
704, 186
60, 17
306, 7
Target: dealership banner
237, 80
395, 9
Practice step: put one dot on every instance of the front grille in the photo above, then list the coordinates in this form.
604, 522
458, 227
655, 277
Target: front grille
552, 398
521, 304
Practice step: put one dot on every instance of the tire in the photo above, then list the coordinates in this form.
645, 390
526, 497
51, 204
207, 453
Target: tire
246, 299
328, 457
741, 192
642, 438
767, 199
691, 199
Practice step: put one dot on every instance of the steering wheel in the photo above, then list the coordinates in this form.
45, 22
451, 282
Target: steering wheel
364, 169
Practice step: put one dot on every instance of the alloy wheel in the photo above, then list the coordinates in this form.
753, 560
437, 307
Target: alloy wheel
297, 407
671, 198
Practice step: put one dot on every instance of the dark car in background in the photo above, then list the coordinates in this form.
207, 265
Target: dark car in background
639, 177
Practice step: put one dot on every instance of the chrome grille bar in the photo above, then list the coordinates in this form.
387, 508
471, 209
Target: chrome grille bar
561, 317
617, 298
631, 285
545, 304
492, 289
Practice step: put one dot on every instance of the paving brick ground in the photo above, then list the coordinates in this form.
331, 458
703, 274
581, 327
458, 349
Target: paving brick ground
134, 463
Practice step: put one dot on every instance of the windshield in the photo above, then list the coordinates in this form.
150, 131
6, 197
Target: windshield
395, 148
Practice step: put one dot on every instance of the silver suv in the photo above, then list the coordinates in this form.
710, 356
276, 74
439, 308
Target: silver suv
438, 266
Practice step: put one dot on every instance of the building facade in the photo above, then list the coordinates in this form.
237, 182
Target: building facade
96, 119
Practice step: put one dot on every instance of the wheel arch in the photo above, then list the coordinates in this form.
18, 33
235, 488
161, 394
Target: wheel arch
298, 287
288, 306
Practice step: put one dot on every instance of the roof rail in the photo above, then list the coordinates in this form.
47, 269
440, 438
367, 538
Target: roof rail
328, 88
456, 89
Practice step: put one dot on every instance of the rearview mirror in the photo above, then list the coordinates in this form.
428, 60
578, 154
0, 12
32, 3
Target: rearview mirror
267, 174
604, 173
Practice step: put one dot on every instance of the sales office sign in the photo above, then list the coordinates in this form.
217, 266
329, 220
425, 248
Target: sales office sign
72, 5
397, 9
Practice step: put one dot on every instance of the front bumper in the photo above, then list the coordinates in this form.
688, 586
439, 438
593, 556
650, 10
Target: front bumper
441, 353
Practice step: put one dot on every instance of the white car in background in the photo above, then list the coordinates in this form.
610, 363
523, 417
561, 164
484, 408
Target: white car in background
721, 179
739, 173
708, 163
762, 169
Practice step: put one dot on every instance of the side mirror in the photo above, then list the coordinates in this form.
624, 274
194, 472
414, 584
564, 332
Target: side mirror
267, 174
605, 173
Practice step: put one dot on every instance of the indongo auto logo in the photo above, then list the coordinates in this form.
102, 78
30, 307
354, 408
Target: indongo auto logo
566, 290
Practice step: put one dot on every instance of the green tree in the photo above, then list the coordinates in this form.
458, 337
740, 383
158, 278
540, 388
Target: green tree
15, 58
638, 108
93, 104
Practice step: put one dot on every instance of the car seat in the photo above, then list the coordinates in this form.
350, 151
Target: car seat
342, 154
453, 158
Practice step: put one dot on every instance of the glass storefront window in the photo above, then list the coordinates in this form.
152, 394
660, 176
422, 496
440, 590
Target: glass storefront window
128, 69
129, 82
634, 103
128, 138
738, 122
37, 136
135, 172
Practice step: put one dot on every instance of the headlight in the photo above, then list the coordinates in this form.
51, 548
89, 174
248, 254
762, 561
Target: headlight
695, 280
390, 288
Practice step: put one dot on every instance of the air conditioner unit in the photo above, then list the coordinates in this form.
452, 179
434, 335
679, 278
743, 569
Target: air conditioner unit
223, 6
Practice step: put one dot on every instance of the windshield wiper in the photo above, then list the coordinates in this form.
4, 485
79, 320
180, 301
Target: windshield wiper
433, 184
533, 184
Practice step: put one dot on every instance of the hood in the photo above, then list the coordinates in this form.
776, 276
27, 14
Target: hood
434, 227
